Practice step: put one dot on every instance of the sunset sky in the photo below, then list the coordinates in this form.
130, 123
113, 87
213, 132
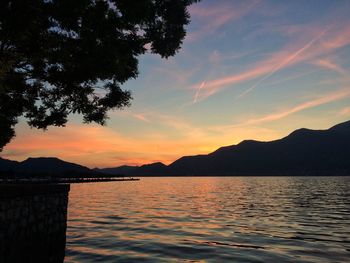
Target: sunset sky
246, 70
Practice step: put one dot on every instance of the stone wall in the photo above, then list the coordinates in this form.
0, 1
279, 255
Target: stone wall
33, 222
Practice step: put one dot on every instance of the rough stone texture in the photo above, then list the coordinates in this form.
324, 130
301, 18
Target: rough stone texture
33, 222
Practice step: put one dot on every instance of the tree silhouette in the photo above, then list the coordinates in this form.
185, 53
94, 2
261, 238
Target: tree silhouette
59, 57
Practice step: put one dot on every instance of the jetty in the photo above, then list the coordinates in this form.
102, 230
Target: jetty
66, 180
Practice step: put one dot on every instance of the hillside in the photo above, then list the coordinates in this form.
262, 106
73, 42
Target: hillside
303, 152
44, 166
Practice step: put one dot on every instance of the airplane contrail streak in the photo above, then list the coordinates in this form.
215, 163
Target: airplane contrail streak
284, 63
198, 91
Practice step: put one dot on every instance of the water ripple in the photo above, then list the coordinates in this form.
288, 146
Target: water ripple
218, 219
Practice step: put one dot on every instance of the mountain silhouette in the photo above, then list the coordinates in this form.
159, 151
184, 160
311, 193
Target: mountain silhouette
7, 165
45, 166
120, 170
157, 168
303, 152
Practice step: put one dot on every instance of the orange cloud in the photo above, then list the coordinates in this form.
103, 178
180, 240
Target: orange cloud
101, 146
97, 146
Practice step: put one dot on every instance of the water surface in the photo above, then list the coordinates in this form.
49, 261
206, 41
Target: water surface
211, 219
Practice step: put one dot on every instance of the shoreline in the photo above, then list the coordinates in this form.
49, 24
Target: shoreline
66, 180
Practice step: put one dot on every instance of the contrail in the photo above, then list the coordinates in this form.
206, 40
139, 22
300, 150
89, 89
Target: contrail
283, 64
197, 92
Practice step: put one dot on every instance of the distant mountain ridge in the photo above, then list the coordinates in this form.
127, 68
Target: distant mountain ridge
48, 166
7, 165
302, 152
157, 168
124, 169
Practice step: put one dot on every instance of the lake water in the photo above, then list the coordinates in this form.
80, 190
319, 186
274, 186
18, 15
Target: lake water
211, 219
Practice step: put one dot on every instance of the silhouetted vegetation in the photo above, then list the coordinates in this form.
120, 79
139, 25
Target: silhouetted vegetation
63, 57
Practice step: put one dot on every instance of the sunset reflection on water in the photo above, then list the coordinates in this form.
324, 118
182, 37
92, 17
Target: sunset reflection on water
210, 218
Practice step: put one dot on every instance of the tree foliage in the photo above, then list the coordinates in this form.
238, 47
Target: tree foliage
71, 56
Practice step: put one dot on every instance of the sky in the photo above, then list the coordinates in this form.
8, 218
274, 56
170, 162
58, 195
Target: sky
247, 70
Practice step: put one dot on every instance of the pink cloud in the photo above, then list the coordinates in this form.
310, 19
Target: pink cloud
345, 111
328, 63
211, 19
181, 76
322, 43
326, 98
198, 92
285, 62
140, 117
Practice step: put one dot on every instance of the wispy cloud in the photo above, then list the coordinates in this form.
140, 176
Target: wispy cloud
328, 63
102, 146
181, 76
288, 60
93, 146
327, 98
198, 91
242, 45
213, 18
167, 139
140, 117
290, 78
323, 43
345, 111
